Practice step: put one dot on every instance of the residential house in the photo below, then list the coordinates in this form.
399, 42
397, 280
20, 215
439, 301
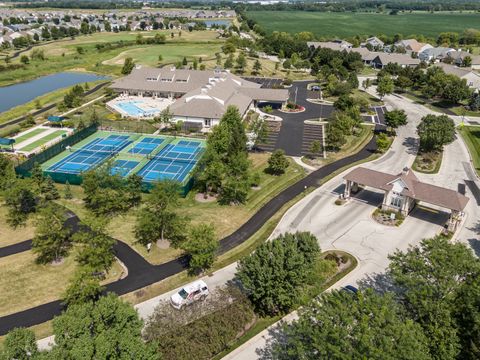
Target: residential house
404, 60
458, 57
435, 54
471, 77
338, 45
374, 42
412, 46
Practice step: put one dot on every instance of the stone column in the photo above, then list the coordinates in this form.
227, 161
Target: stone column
348, 189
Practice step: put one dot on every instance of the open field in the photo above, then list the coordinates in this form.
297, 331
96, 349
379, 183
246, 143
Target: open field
471, 135
25, 284
326, 24
171, 53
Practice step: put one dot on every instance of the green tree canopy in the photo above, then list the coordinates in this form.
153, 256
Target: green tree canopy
429, 276
396, 118
201, 247
342, 325
128, 66
20, 344
20, 201
158, 220
107, 329
277, 163
52, 238
275, 272
435, 131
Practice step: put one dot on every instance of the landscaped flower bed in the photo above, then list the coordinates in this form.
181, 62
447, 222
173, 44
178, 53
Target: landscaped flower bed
293, 108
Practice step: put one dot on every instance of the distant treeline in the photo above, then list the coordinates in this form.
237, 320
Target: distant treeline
348, 5
93, 4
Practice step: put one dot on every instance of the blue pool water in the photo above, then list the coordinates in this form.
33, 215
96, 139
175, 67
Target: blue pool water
131, 108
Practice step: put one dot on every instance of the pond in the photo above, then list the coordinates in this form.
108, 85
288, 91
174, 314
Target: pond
209, 23
18, 94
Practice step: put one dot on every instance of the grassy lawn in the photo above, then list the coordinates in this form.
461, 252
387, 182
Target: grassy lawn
122, 227
171, 53
372, 100
471, 136
428, 163
345, 24
25, 284
8, 235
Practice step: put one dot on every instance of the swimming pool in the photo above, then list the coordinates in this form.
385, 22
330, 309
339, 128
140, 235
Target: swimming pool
133, 108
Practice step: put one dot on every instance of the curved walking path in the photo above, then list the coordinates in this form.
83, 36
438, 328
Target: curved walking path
141, 273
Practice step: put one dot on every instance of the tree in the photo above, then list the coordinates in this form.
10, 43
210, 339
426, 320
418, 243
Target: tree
52, 239
315, 148
435, 132
274, 273
20, 201
395, 118
241, 62
19, 344
24, 59
428, 277
467, 61
96, 251
165, 117
385, 86
335, 138
67, 193
106, 329
364, 326
257, 67
228, 62
128, 66
83, 288
157, 220
382, 142
49, 190
201, 247
195, 64
7, 172
277, 163
366, 84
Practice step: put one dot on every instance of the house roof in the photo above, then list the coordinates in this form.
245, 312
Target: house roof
338, 45
415, 189
400, 59
455, 70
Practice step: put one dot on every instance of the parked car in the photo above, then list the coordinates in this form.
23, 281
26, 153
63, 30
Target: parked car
350, 289
315, 88
190, 293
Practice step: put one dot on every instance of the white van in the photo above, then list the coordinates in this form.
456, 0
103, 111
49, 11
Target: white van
190, 293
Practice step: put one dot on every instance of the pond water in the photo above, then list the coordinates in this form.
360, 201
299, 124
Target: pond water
209, 23
18, 94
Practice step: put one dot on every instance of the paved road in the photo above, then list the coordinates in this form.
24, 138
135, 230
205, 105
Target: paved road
141, 273
350, 227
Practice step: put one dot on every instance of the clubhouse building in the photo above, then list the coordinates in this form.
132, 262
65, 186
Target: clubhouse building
198, 98
403, 191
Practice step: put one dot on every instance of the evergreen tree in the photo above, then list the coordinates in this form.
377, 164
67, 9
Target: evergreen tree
67, 193
128, 66
277, 163
52, 239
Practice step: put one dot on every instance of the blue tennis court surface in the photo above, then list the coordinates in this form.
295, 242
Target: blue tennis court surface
146, 146
174, 162
123, 167
91, 155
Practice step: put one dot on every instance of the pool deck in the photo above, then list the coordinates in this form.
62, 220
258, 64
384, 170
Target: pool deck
140, 107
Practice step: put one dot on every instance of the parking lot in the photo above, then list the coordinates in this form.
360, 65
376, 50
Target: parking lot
269, 83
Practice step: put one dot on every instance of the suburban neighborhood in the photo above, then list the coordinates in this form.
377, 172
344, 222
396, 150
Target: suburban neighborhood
239, 180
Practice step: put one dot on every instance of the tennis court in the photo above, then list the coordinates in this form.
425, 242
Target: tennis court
174, 162
91, 155
123, 167
146, 146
